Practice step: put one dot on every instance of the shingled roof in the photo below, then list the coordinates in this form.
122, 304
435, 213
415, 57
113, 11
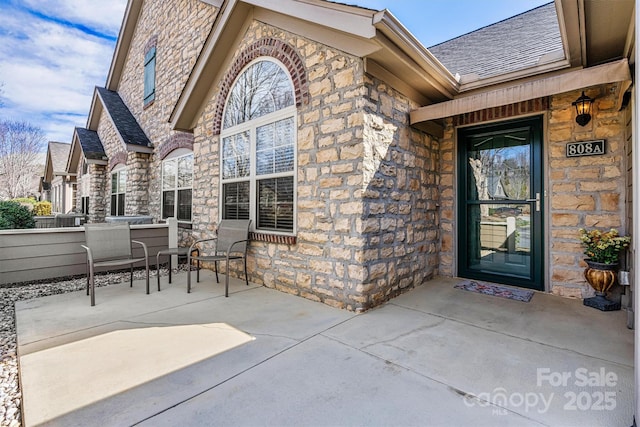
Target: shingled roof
516, 43
90, 142
56, 160
59, 152
126, 125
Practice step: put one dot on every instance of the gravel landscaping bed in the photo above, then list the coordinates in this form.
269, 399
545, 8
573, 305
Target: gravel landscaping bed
10, 394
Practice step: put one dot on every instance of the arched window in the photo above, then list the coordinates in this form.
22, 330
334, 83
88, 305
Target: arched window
118, 189
258, 148
177, 184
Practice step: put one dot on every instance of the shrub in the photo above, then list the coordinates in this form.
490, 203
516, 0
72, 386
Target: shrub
27, 200
42, 209
14, 215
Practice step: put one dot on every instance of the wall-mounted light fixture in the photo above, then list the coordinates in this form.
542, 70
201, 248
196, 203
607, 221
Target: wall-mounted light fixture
583, 109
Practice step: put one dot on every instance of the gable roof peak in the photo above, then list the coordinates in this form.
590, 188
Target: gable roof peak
126, 125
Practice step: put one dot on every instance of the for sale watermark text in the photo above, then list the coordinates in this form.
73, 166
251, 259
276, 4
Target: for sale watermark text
585, 390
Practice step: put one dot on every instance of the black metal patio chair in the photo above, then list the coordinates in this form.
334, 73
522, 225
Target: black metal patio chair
109, 245
230, 244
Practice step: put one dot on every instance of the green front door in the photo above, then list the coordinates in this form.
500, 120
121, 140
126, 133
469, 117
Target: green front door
500, 201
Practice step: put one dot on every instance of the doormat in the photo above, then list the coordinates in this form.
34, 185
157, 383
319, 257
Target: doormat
495, 290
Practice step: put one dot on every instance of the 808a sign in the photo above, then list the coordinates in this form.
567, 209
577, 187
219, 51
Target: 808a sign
585, 148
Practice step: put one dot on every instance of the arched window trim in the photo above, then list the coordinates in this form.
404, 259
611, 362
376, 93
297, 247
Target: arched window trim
178, 152
251, 126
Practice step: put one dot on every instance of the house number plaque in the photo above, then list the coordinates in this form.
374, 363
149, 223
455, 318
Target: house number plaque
585, 148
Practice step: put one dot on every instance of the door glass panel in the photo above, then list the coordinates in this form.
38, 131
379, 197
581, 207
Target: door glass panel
500, 208
499, 166
500, 238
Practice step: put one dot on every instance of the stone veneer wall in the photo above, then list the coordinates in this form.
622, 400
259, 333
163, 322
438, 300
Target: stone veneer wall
349, 154
137, 196
137, 166
582, 191
329, 188
400, 218
585, 191
180, 29
79, 176
98, 192
114, 149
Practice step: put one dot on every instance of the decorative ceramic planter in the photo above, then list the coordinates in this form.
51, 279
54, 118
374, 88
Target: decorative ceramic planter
601, 277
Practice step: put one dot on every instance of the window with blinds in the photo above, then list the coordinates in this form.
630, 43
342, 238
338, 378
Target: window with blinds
118, 188
258, 149
177, 186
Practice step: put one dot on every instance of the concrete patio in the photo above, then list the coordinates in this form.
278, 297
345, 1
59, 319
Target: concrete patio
434, 356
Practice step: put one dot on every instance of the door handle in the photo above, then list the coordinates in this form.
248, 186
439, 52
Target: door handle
537, 200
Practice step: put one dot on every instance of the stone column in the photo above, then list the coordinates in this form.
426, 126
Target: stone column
137, 193
98, 192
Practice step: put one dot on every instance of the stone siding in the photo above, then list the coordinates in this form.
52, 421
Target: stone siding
585, 192
114, 149
79, 180
178, 29
98, 192
137, 196
400, 218
354, 192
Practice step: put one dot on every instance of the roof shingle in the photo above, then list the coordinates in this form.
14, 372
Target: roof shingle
513, 44
124, 121
90, 143
59, 152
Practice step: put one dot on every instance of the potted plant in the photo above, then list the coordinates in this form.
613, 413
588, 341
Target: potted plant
603, 255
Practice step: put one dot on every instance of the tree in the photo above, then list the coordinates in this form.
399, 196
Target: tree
20, 144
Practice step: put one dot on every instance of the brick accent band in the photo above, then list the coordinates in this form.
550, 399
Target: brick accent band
151, 43
537, 105
273, 238
274, 48
175, 141
116, 159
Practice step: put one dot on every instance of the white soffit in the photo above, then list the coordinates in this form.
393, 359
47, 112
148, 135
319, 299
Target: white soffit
74, 152
348, 19
215, 3
94, 112
351, 44
617, 71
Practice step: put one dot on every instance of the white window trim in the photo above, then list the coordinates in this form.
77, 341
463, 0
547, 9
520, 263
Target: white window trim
251, 126
176, 154
117, 170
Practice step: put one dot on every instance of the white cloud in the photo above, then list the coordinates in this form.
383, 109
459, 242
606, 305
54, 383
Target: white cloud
49, 68
105, 15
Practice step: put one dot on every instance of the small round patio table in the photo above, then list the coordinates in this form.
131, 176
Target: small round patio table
181, 253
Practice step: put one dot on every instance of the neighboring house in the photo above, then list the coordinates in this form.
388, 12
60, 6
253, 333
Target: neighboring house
88, 160
367, 163
58, 185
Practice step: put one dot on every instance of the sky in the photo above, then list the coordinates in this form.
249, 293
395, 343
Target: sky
54, 52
